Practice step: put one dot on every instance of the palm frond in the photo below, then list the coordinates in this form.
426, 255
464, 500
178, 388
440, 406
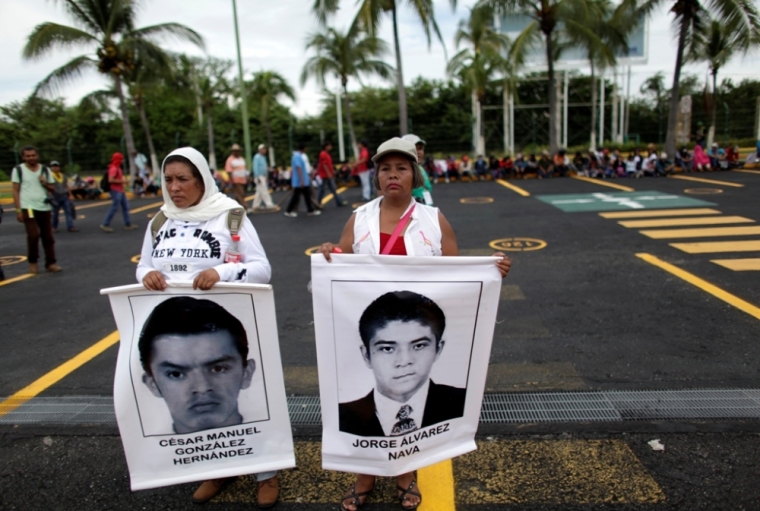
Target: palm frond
49, 36
324, 9
175, 31
64, 74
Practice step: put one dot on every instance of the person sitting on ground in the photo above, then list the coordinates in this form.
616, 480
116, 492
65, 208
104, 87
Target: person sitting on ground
78, 187
684, 159
465, 167
581, 164
481, 167
508, 167
732, 157
701, 162
649, 166
595, 169
452, 168
93, 190
531, 166
663, 165
560, 167
519, 166
545, 166
631, 167
717, 157
493, 167
608, 167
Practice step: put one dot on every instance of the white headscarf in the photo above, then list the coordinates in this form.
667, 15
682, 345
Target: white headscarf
212, 204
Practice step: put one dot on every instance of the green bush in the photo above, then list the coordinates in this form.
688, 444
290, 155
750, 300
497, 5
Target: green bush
4, 176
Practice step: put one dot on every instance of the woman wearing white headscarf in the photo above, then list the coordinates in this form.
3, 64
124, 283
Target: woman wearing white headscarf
191, 245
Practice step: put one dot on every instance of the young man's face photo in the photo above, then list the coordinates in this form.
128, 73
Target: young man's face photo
199, 377
401, 355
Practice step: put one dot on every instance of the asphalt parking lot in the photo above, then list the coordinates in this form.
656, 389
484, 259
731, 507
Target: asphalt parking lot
654, 288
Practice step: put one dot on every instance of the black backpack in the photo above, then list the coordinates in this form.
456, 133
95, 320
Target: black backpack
104, 184
20, 174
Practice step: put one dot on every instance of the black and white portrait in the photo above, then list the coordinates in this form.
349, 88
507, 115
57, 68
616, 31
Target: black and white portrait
407, 356
195, 367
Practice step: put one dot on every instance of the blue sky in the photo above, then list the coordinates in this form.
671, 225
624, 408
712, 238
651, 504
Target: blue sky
272, 37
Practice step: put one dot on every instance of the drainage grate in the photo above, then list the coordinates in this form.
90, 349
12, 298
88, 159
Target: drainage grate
498, 408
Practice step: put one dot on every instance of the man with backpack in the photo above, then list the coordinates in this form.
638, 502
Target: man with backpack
32, 183
113, 183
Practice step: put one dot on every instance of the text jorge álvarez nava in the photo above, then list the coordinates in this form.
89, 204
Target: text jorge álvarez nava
214, 251
406, 443
211, 446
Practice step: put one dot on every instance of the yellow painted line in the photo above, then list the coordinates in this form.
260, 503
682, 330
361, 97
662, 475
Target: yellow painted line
437, 487
95, 205
711, 181
661, 234
739, 264
145, 208
747, 171
714, 290
514, 188
674, 222
16, 279
660, 212
327, 198
57, 374
708, 247
604, 183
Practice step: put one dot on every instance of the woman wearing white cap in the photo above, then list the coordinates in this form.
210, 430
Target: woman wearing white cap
192, 203
418, 230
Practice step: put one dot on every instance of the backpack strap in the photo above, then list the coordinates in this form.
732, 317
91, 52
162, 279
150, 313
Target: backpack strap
158, 221
235, 219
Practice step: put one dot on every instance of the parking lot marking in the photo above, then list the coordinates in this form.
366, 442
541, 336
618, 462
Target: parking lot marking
16, 279
57, 374
660, 212
327, 198
739, 264
660, 234
711, 181
95, 205
147, 207
747, 171
702, 284
604, 183
674, 222
708, 247
437, 485
514, 188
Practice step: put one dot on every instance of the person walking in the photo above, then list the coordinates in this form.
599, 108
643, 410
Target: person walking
193, 201
237, 169
300, 183
362, 170
260, 178
31, 184
62, 198
326, 172
118, 195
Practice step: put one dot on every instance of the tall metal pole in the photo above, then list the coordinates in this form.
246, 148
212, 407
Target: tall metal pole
601, 111
511, 124
243, 99
565, 98
341, 142
627, 105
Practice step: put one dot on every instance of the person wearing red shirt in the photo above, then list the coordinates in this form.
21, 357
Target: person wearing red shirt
118, 197
360, 169
326, 172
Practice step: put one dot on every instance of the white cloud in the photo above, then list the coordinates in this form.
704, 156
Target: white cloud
272, 34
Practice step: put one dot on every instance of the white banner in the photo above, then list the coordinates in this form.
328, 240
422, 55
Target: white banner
403, 345
199, 391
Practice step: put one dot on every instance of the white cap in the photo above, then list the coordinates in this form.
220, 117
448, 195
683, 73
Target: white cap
664, 156
414, 139
262, 146
396, 145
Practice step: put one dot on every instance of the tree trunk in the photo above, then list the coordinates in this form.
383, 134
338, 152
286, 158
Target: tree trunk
475, 121
714, 113
481, 129
593, 107
350, 122
127, 129
148, 136
403, 119
270, 146
211, 145
670, 138
552, 96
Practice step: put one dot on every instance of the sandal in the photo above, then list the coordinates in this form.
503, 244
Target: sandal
353, 498
402, 496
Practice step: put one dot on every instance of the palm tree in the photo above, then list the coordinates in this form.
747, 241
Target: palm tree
554, 19
369, 17
268, 87
738, 17
477, 64
211, 87
716, 45
345, 55
106, 27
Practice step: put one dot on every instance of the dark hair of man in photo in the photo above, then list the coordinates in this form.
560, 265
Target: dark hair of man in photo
401, 306
184, 315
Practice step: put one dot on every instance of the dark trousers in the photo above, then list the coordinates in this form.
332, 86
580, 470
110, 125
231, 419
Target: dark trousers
63, 203
329, 183
39, 226
304, 192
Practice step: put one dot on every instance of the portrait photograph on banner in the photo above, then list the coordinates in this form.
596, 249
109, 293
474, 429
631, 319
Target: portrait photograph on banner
403, 349
199, 390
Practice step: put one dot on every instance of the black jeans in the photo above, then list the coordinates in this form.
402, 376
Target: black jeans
39, 226
304, 192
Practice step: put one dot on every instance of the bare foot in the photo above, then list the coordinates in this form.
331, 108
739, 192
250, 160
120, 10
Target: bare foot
357, 496
408, 491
